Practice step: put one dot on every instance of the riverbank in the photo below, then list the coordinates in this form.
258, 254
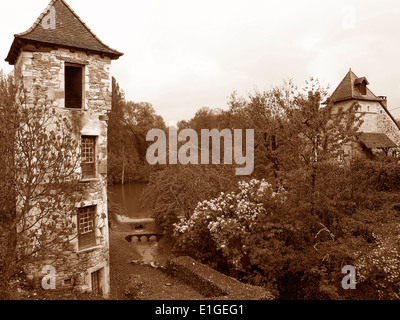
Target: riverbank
138, 271
144, 262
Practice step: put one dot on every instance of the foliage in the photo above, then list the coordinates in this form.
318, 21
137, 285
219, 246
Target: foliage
333, 213
176, 190
39, 185
225, 223
316, 214
128, 126
292, 253
379, 266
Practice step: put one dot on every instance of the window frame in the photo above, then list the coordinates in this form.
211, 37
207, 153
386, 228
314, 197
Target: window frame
96, 282
83, 98
87, 240
94, 162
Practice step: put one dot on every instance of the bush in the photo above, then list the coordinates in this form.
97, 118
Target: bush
294, 242
220, 231
381, 175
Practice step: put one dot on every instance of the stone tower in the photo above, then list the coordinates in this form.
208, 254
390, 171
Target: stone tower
379, 131
69, 67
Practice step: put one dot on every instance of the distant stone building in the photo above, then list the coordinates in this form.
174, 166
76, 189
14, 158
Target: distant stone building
62, 63
379, 132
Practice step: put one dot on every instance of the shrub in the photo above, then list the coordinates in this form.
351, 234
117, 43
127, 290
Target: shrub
382, 174
220, 231
379, 266
272, 239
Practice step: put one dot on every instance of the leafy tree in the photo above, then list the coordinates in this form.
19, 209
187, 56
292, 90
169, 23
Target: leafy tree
261, 113
176, 190
298, 248
206, 118
39, 186
128, 126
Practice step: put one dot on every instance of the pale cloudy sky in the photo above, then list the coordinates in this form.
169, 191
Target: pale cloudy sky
181, 55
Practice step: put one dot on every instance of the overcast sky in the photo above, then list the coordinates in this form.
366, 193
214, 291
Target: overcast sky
181, 55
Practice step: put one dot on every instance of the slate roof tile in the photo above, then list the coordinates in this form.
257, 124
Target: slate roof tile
348, 90
70, 32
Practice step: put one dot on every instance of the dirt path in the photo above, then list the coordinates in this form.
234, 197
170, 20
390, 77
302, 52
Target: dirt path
128, 259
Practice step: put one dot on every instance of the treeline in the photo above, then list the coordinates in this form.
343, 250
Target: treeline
293, 131
128, 125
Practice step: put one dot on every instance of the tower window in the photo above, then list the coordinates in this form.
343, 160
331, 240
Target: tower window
363, 88
86, 227
361, 85
73, 86
88, 154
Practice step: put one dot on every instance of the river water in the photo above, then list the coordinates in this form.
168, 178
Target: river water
129, 195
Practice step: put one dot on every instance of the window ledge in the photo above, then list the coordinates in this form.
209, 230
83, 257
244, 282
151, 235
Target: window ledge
90, 249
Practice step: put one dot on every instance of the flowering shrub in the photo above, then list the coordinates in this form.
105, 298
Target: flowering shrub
275, 239
218, 230
380, 266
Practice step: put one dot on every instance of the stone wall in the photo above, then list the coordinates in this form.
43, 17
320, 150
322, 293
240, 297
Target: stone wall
213, 284
43, 77
375, 119
40, 78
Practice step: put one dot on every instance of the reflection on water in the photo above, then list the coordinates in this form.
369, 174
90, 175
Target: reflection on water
129, 195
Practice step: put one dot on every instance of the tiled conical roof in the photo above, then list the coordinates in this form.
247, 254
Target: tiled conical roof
348, 90
70, 32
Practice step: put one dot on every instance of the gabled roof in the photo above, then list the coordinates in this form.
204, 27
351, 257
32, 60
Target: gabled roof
376, 140
361, 80
348, 89
69, 32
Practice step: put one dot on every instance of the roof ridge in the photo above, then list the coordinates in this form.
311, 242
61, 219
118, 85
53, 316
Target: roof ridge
352, 74
337, 88
352, 87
